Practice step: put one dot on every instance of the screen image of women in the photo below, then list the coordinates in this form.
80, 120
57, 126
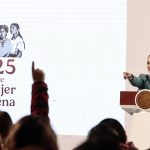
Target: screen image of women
5, 43
18, 45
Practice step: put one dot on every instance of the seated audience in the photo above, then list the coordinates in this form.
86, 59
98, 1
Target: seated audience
5, 124
31, 133
107, 135
118, 128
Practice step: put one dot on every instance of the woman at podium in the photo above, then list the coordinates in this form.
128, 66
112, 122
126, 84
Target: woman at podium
142, 81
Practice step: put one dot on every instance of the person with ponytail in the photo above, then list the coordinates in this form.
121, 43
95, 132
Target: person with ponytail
18, 45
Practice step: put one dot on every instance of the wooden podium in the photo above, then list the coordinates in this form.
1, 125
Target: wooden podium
127, 102
139, 121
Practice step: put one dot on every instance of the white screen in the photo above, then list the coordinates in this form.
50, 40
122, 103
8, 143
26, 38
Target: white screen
80, 45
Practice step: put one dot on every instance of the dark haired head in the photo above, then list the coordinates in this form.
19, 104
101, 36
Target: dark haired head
102, 137
5, 123
16, 25
5, 27
117, 127
32, 131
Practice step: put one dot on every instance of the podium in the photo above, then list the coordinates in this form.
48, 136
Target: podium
127, 102
139, 122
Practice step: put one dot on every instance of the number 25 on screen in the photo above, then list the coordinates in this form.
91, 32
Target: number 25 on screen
10, 68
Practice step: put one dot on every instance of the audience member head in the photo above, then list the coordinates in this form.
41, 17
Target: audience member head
5, 124
104, 137
117, 127
32, 132
109, 134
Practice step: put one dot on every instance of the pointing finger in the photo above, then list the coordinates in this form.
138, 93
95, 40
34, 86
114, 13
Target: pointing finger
33, 66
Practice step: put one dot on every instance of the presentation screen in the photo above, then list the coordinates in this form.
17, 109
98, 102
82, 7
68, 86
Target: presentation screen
81, 47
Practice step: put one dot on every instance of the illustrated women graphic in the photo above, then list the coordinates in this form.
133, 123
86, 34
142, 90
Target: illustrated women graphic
18, 45
5, 43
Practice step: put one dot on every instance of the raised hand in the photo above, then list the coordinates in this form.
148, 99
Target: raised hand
37, 74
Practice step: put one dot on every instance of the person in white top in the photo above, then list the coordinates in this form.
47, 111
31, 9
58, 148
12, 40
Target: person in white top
18, 45
5, 44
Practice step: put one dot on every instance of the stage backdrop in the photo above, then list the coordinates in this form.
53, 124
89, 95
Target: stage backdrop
138, 45
81, 46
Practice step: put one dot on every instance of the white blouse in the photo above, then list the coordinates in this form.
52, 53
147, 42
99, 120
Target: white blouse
17, 44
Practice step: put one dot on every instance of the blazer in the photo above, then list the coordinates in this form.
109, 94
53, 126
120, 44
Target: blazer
141, 82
